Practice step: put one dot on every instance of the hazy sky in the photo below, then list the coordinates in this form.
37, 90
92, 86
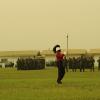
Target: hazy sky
40, 24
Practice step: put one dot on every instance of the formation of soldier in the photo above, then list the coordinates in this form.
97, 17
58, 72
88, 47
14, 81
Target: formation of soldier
30, 63
83, 62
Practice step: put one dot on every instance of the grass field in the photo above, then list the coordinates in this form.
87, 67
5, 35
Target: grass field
41, 85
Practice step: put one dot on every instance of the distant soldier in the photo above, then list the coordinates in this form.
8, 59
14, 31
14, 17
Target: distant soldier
82, 63
70, 63
59, 58
98, 63
66, 63
74, 64
78, 62
88, 63
92, 61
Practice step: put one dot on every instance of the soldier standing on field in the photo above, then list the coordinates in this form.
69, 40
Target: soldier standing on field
98, 63
92, 63
65, 63
74, 64
59, 60
82, 63
70, 63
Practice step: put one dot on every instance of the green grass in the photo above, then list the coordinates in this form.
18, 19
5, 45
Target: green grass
41, 85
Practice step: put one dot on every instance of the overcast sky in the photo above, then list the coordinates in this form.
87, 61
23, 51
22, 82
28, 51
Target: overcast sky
40, 24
